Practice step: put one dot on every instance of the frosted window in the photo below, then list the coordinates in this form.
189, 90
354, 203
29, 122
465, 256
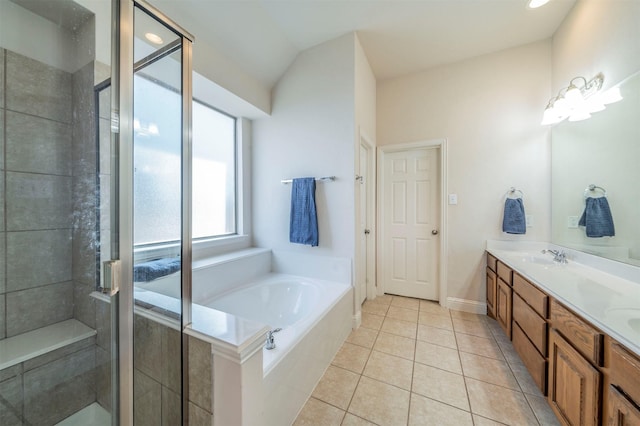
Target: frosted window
214, 172
157, 145
157, 167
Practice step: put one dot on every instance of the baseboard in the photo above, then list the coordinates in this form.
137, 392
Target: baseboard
356, 320
465, 305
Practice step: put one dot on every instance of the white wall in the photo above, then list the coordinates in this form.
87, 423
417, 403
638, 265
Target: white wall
365, 95
28, 34
597, 36
489, 109
310, 133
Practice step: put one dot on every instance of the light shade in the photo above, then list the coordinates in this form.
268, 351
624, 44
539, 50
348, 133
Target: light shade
610, 96
573, 96
533, 4
579, 115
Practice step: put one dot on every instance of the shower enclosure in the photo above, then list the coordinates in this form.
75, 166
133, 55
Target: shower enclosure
94, 117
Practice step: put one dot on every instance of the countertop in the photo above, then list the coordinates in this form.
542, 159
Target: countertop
607, 297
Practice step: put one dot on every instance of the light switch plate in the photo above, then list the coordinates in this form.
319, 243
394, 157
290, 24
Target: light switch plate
572, 222
453, 198
529, 219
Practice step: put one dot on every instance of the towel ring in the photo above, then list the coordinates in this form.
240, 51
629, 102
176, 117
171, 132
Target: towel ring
512, 192
592, 188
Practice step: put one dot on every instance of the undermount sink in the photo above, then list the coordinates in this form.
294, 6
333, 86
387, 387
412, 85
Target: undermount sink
630, 316
538, 260
634, 323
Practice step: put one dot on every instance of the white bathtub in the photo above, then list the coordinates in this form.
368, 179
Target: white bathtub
315, 317
294, 304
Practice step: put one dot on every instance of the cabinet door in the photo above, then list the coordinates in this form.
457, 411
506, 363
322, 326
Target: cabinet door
503, 306
491, 293
574, 384
621, 412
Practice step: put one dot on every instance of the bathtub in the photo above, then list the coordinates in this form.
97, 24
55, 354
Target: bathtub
315, 316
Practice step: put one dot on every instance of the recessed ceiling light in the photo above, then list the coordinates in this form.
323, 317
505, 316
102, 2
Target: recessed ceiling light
153, 38
533, 4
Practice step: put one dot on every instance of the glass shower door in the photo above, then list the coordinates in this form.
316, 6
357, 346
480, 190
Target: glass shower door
160, 237
56, 337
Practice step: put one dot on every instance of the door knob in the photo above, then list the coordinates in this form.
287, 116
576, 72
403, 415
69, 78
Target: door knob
367, 232
434, 232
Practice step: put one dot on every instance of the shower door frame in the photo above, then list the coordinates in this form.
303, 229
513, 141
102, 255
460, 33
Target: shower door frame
122, 107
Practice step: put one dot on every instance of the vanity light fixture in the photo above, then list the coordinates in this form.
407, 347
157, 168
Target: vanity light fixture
579, 100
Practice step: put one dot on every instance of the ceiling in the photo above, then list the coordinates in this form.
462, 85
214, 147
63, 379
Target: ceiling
399, 37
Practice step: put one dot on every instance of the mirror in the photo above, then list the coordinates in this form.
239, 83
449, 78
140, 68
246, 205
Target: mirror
603, 150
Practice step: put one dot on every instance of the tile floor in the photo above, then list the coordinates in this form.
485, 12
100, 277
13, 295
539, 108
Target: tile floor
413, 362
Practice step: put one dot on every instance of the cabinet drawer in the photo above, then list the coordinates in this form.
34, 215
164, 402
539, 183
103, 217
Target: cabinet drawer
492, 262
535, 363
530, 294
530, 322
504, 272
586, 339
625, 371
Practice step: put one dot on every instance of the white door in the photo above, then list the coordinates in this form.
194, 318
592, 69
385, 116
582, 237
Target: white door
365, 219
410, 218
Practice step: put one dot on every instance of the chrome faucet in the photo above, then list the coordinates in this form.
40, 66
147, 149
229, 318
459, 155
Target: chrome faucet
271, 343
558, 255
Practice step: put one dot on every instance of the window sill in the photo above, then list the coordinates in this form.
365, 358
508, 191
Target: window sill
200, 249
215, 246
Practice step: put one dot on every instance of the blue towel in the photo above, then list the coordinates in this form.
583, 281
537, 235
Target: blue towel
303, 222
148, 271
597, 218
514, 221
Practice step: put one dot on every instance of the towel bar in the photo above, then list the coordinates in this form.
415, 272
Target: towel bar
320, 179
512, 191
592, 188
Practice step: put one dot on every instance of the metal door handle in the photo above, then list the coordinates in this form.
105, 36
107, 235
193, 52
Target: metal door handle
434, 232
111, 277
367, 232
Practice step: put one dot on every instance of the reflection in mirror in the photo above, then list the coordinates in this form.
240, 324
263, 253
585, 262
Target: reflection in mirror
603, 151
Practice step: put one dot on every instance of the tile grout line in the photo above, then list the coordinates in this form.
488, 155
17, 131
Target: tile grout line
524, 394
464, 378
4, 184
378, 332
360, 378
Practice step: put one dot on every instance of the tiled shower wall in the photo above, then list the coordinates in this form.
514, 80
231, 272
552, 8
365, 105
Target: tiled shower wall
44, 120
36, 181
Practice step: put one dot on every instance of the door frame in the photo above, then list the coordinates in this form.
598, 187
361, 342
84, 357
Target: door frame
444, 234
123, 70
364, 139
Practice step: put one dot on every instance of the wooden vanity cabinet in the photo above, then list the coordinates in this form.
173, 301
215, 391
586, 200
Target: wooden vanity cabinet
529, 328
621, 411
623, 392
503, 306
574, 380
589, 378
574, 384
492, 284
499, 292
